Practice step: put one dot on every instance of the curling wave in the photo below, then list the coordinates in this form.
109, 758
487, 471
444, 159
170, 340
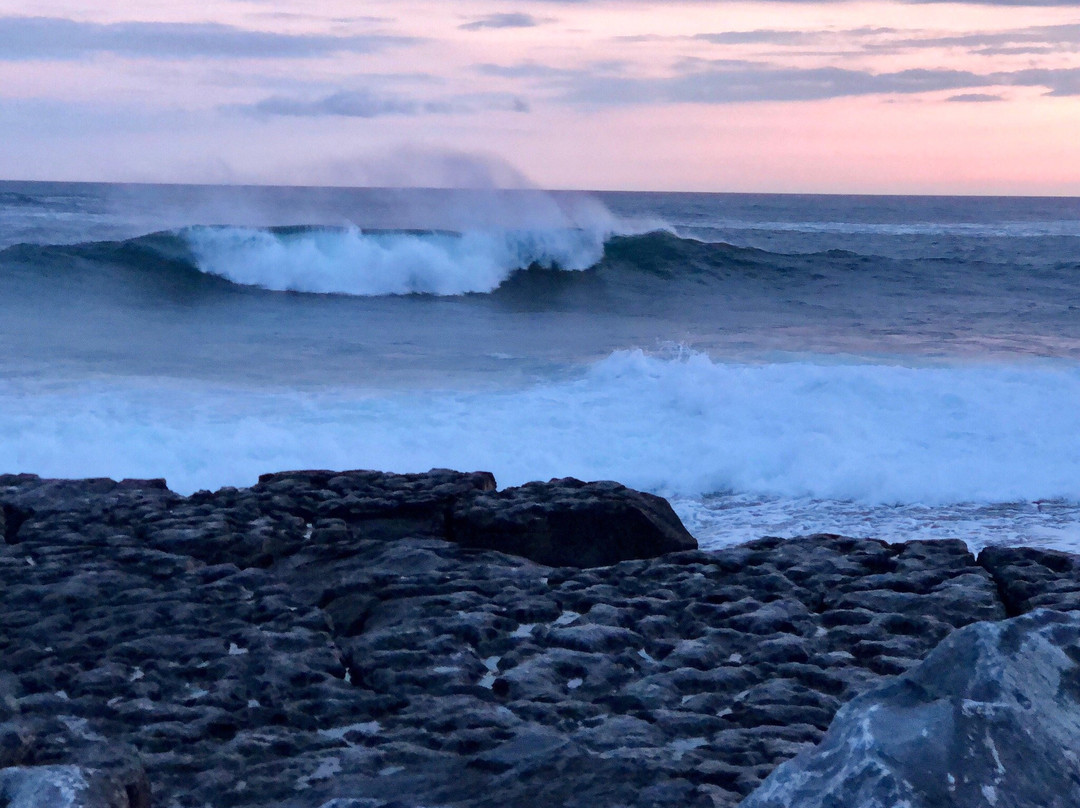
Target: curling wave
350, 261
354, 262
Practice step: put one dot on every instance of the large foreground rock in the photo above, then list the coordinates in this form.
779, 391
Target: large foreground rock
991, 717
569, 523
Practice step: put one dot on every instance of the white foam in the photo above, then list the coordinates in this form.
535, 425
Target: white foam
869, 434
730, 519
352, 262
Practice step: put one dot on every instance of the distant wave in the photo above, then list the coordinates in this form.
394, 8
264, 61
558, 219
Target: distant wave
354, 262
350, 261
685, 426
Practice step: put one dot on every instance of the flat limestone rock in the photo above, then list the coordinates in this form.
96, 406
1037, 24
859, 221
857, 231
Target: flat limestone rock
991, 717
318, 641
570, 523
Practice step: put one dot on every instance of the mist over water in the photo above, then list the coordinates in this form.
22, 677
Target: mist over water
889, 367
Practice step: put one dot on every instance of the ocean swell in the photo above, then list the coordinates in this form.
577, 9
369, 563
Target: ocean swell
373, 263
370, 263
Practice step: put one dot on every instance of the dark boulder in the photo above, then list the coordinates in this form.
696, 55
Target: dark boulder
569, 523
991, 717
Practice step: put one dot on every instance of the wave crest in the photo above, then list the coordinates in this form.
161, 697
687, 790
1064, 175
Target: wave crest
355, 262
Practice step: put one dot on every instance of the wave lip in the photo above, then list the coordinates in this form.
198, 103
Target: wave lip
355, 262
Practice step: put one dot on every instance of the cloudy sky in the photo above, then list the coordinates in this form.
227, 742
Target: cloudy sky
841, 96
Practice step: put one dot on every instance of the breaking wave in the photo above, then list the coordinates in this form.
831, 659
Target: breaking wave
871, 433
350, 261
354, 262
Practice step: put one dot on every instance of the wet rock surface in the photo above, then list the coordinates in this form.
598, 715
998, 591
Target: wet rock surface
991, 716
316, 640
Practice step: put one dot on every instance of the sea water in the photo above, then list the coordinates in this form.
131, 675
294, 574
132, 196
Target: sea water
894, 367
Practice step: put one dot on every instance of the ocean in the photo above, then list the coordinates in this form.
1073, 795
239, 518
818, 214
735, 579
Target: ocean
890, 367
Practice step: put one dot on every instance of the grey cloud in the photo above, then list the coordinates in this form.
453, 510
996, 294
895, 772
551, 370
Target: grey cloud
761, 36
505, 20
365, 103
349, 104
525, 70
974, 98
1062, 36
728, 84
1020, 41
695, 64
1018, 50
1030, 41
533, 70
53, 38
1061, 82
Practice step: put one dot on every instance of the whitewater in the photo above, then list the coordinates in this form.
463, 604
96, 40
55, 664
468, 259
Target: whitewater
887, 367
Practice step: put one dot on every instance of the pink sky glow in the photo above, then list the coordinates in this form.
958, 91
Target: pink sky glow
847, 97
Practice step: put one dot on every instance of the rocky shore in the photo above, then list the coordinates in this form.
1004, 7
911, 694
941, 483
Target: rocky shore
366, 640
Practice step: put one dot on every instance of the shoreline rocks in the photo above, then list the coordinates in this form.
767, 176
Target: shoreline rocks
316, 640
991, 715
568, 523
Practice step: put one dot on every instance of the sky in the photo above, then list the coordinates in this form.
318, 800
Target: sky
837, 96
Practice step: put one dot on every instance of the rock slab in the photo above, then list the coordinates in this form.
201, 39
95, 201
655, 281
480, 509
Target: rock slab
991, 717
570, 523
